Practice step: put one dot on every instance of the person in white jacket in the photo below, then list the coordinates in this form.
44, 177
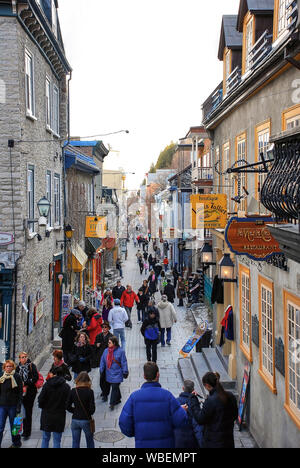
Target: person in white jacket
167, 317
117, 318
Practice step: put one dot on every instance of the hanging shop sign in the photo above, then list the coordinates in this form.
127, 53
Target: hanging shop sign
96, 226
251, 237
108, 243
209, 211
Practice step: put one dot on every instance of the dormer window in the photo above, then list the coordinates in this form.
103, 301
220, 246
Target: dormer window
227, 61
248, 41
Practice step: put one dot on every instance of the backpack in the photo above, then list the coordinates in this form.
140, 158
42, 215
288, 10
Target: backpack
152, 332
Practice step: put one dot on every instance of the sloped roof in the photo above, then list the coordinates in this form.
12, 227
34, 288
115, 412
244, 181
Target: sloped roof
258, 7
230, 37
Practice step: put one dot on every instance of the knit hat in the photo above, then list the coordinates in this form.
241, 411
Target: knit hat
117, 302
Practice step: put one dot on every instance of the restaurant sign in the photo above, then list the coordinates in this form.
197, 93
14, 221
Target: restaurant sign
209, 211
251, 237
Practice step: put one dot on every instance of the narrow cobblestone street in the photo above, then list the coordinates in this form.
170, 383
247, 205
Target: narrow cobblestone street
107, 427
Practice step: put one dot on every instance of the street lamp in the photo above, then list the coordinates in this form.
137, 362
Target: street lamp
206, 254
68, 234
44, 208
226, 269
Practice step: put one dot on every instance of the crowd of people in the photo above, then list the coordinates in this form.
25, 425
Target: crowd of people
94, 337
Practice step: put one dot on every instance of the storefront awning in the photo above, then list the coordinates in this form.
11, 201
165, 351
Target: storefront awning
79, 259
92, 244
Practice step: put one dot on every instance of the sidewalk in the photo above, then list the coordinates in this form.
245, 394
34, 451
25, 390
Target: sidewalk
107, 428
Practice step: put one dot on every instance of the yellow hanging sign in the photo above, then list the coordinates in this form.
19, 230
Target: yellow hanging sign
209, 211
96, 226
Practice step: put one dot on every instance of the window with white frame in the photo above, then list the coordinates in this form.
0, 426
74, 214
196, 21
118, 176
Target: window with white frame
30, 197
48, 103
29, 83
293, 122
49, 195
293, 330
56, 200
249, 43
241, 156
227, 178
267, 351
55, 110
283, 12
263, 143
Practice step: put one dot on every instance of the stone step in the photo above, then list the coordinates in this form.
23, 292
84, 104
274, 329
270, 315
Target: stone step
200, 368
223, 359
187, 372
215, 365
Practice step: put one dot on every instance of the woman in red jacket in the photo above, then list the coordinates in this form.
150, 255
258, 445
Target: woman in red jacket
93, 328
127, 300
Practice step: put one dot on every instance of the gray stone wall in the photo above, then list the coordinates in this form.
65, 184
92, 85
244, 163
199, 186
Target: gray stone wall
35, 256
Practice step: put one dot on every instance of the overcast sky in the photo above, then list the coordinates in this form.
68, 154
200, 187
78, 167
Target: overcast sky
142, 66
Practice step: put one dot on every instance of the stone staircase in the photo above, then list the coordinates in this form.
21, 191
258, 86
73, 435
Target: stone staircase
198, 364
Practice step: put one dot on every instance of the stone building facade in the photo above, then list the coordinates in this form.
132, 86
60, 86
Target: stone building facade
34, 117
255, 101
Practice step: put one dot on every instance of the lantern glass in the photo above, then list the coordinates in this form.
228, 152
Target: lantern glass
69, 232
206, 257
226, 268
44, 207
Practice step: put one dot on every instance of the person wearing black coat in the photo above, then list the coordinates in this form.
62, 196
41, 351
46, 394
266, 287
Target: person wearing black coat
152, 282
218, 413
142, 305
118, 291
53, 402
81, 354
29, 375
81, 403
191, 435
69, 332
11, 390
101, 344
169, 291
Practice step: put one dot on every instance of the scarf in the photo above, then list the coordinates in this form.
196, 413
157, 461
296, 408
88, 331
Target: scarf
6, 376
60, 363
24, 371
110, 356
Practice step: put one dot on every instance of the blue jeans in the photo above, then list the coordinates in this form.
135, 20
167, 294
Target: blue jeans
120, 334
163, 335
56, 439
10, 412
81, 425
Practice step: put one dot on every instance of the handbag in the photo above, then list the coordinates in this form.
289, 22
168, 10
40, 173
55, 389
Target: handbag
90, 419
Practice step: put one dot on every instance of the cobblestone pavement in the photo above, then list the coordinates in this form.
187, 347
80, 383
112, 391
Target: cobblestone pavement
170, 378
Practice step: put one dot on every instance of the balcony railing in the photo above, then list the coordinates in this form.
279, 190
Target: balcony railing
233, 80
292, 15
213, 101
281, 190
260, 50
203, 174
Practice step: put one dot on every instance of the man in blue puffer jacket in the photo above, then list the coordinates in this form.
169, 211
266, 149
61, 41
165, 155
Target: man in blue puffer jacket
152, 413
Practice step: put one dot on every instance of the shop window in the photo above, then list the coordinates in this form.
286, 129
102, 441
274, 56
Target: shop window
245, 312
292, 346
291, 118
266, 321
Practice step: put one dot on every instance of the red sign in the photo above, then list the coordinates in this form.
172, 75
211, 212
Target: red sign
251, 237
108, 243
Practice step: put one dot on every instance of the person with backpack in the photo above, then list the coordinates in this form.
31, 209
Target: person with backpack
151, 331
29, 375
189, 436
218, 413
